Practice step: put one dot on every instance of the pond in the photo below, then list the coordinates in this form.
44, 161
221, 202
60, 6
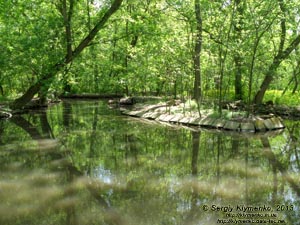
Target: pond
82, 163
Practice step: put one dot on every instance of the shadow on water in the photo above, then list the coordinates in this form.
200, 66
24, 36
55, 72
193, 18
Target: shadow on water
83, 163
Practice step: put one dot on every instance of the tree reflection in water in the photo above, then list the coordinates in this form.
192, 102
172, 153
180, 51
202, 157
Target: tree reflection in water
82, 163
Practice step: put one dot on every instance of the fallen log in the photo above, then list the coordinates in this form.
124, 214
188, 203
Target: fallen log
91, 96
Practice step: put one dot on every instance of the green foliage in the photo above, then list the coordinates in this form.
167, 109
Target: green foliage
147, 47
289, 99
31, 40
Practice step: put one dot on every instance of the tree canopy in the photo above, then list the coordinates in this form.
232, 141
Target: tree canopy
229, 49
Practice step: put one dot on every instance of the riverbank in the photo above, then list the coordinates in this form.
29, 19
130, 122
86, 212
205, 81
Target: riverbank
285, 112
188, 115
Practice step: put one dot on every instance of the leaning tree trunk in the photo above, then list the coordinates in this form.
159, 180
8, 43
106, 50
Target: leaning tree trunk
281, 55
272, 69
47, 78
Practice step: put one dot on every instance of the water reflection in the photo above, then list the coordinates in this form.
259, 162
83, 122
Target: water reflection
83, 163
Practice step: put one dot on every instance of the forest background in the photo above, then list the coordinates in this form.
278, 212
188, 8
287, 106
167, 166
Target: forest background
205, 50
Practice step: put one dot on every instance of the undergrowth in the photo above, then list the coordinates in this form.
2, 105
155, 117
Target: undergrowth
277, 98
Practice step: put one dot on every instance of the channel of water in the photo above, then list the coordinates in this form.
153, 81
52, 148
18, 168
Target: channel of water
82, 163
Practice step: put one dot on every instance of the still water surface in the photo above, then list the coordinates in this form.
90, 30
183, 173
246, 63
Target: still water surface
82, 163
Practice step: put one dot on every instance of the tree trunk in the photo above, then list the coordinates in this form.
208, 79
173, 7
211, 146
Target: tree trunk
295, 86
20, 102
195, 151
281, 55
67, 15
272, 69
238, 78
197, 52
237, 57
47, 78
1, 90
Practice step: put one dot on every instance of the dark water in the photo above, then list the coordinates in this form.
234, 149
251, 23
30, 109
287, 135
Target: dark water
81, 163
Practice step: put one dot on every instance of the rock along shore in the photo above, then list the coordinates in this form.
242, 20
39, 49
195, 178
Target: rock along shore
172, 114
